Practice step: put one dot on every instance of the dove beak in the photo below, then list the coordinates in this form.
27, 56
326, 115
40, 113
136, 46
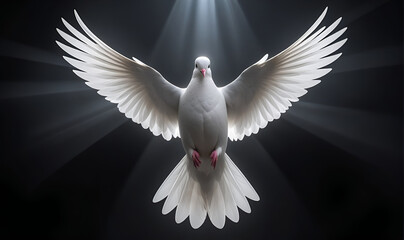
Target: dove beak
203, 71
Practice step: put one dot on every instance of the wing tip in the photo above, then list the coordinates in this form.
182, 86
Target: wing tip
76, 14
138, 61
64, 22
66, 58
262, 60
327, 70
78, 72
59, 43
59, 31
343, 41
323, 13
343, 29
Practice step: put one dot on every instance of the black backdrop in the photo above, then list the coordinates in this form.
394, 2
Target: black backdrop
73, 167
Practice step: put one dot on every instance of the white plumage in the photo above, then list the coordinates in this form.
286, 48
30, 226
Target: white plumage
205, 182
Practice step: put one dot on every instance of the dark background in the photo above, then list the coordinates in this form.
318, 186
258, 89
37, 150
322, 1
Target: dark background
73, 167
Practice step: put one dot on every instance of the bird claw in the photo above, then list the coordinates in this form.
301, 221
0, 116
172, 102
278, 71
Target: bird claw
195, 159
213, 156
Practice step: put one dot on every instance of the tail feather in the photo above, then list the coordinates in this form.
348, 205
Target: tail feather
216, 210
242, 181
230, 204
197, 213
197, 197
168, 184
237, 194
175, 195
183, 208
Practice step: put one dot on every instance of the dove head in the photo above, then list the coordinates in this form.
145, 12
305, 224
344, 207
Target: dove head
202, 67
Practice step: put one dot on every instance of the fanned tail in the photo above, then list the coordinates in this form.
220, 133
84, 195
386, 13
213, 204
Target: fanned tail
217, 194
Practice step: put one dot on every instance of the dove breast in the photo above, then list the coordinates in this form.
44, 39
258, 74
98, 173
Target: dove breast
202, 117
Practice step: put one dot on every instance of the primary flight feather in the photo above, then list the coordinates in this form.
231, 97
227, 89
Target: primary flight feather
205, 182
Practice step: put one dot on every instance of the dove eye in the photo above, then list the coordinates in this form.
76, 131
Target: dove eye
209, 66
196, 65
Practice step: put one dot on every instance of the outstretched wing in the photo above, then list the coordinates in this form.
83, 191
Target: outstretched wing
141, 92
266, 89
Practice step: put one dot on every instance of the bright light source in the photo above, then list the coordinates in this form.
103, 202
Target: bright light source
217, 29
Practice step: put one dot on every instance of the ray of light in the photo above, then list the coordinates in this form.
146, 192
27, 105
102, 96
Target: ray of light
175, 21
361, 133
80, 126
22, 89
367, 7
66, 118
239, 30
205, 34
216, 29
24, 52
50, 153
375, 58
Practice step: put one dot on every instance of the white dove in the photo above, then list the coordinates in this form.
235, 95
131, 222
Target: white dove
205, 181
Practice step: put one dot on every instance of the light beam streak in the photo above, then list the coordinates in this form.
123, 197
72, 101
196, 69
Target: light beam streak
216, 29
23, 89
24, 52
375, 58
357, 132
51, 153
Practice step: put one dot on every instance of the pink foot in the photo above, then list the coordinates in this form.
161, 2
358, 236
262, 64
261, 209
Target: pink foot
213, 156
195, 158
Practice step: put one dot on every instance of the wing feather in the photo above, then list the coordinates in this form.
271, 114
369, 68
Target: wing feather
267, 88
141, 93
